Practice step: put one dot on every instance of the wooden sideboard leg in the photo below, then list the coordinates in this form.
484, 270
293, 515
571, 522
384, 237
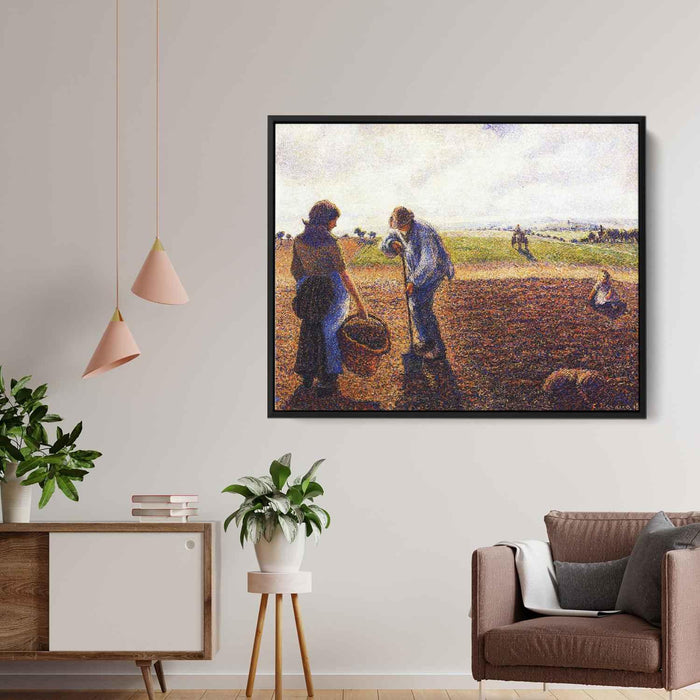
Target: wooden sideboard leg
256, 645
145, 667
302, 646
278, 646
161, 676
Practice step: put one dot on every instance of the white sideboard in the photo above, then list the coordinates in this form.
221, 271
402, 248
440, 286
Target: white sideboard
140, 591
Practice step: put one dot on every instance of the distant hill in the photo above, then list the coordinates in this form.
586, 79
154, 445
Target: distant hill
537, 224
545, 223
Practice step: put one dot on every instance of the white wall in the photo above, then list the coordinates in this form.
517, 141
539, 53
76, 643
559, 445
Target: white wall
410, 498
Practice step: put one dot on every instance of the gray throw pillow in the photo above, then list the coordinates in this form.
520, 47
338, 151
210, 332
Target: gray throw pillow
590, 586
640, 592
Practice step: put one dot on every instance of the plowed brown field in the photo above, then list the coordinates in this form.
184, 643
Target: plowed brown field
504, 336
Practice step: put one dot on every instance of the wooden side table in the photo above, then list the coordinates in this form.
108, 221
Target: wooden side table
279, 585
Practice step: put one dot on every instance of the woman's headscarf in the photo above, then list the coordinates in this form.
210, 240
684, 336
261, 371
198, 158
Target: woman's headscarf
316, 231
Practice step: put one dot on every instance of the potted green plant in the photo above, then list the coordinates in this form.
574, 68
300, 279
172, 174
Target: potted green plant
278, 515
28, 456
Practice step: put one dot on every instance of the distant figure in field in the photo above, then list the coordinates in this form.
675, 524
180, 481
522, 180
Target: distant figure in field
520, 238
604, 298
427, 264
574, 389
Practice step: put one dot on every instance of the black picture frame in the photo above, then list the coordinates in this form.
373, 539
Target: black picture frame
639, 121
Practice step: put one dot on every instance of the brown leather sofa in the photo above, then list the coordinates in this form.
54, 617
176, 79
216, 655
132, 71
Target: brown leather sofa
510, 643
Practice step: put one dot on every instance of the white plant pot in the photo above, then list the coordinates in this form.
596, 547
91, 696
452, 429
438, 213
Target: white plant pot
279, 556
16, 499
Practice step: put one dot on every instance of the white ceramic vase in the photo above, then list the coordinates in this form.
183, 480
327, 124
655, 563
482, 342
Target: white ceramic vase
16, 499
279, 556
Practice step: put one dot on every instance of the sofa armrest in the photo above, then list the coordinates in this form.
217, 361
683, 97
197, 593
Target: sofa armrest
496, 599
680, 618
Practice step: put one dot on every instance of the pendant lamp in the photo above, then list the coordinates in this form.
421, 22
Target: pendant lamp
117, 346
157, 281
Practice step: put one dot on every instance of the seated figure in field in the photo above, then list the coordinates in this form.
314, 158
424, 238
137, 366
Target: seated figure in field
604, 298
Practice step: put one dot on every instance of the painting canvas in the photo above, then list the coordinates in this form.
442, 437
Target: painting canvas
456, 266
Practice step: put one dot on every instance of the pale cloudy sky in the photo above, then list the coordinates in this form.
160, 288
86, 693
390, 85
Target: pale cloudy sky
450, 174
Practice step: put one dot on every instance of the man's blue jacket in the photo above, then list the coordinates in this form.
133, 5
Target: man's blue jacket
427, 261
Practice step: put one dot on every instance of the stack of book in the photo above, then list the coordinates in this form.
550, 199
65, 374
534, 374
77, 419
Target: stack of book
164, 508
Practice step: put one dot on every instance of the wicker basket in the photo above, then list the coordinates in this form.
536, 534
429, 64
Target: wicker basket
359, 358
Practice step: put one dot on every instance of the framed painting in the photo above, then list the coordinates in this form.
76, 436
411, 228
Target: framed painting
456, 266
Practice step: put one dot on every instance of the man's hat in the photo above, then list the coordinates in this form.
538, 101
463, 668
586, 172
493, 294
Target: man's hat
401, 216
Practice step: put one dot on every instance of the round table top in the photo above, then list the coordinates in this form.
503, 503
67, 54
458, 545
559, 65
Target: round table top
294, 582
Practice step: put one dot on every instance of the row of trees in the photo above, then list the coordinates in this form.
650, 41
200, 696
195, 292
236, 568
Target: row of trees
611, 235
598, 235
366, 236
551, 237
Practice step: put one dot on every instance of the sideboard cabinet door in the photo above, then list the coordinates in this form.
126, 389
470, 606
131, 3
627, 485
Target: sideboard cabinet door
124, 591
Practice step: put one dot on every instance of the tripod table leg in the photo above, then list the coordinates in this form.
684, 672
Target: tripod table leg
302, 646
256, 645
278, 646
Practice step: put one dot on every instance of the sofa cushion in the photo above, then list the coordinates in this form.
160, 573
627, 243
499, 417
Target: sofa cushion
591, 585
590, 537
615, 642
640, 592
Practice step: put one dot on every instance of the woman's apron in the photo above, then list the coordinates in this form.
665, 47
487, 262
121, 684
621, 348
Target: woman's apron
332, 322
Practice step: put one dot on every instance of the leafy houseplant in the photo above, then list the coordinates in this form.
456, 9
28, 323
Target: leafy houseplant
273, 512
27, 451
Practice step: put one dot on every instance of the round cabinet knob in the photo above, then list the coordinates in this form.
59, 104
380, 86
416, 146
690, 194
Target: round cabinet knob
190, 544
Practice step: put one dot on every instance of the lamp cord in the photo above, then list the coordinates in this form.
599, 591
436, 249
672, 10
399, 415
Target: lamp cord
117, 147
157, 119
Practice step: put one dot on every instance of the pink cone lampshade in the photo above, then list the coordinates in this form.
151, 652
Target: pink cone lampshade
157, 281
116, 347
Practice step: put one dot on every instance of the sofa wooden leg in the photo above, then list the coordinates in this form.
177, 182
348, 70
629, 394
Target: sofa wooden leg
670, 695
544, 687
481, 690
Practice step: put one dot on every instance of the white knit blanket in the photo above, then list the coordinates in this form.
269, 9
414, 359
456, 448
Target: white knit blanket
538, 581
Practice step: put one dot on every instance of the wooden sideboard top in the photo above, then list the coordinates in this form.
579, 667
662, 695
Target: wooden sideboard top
125, 526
